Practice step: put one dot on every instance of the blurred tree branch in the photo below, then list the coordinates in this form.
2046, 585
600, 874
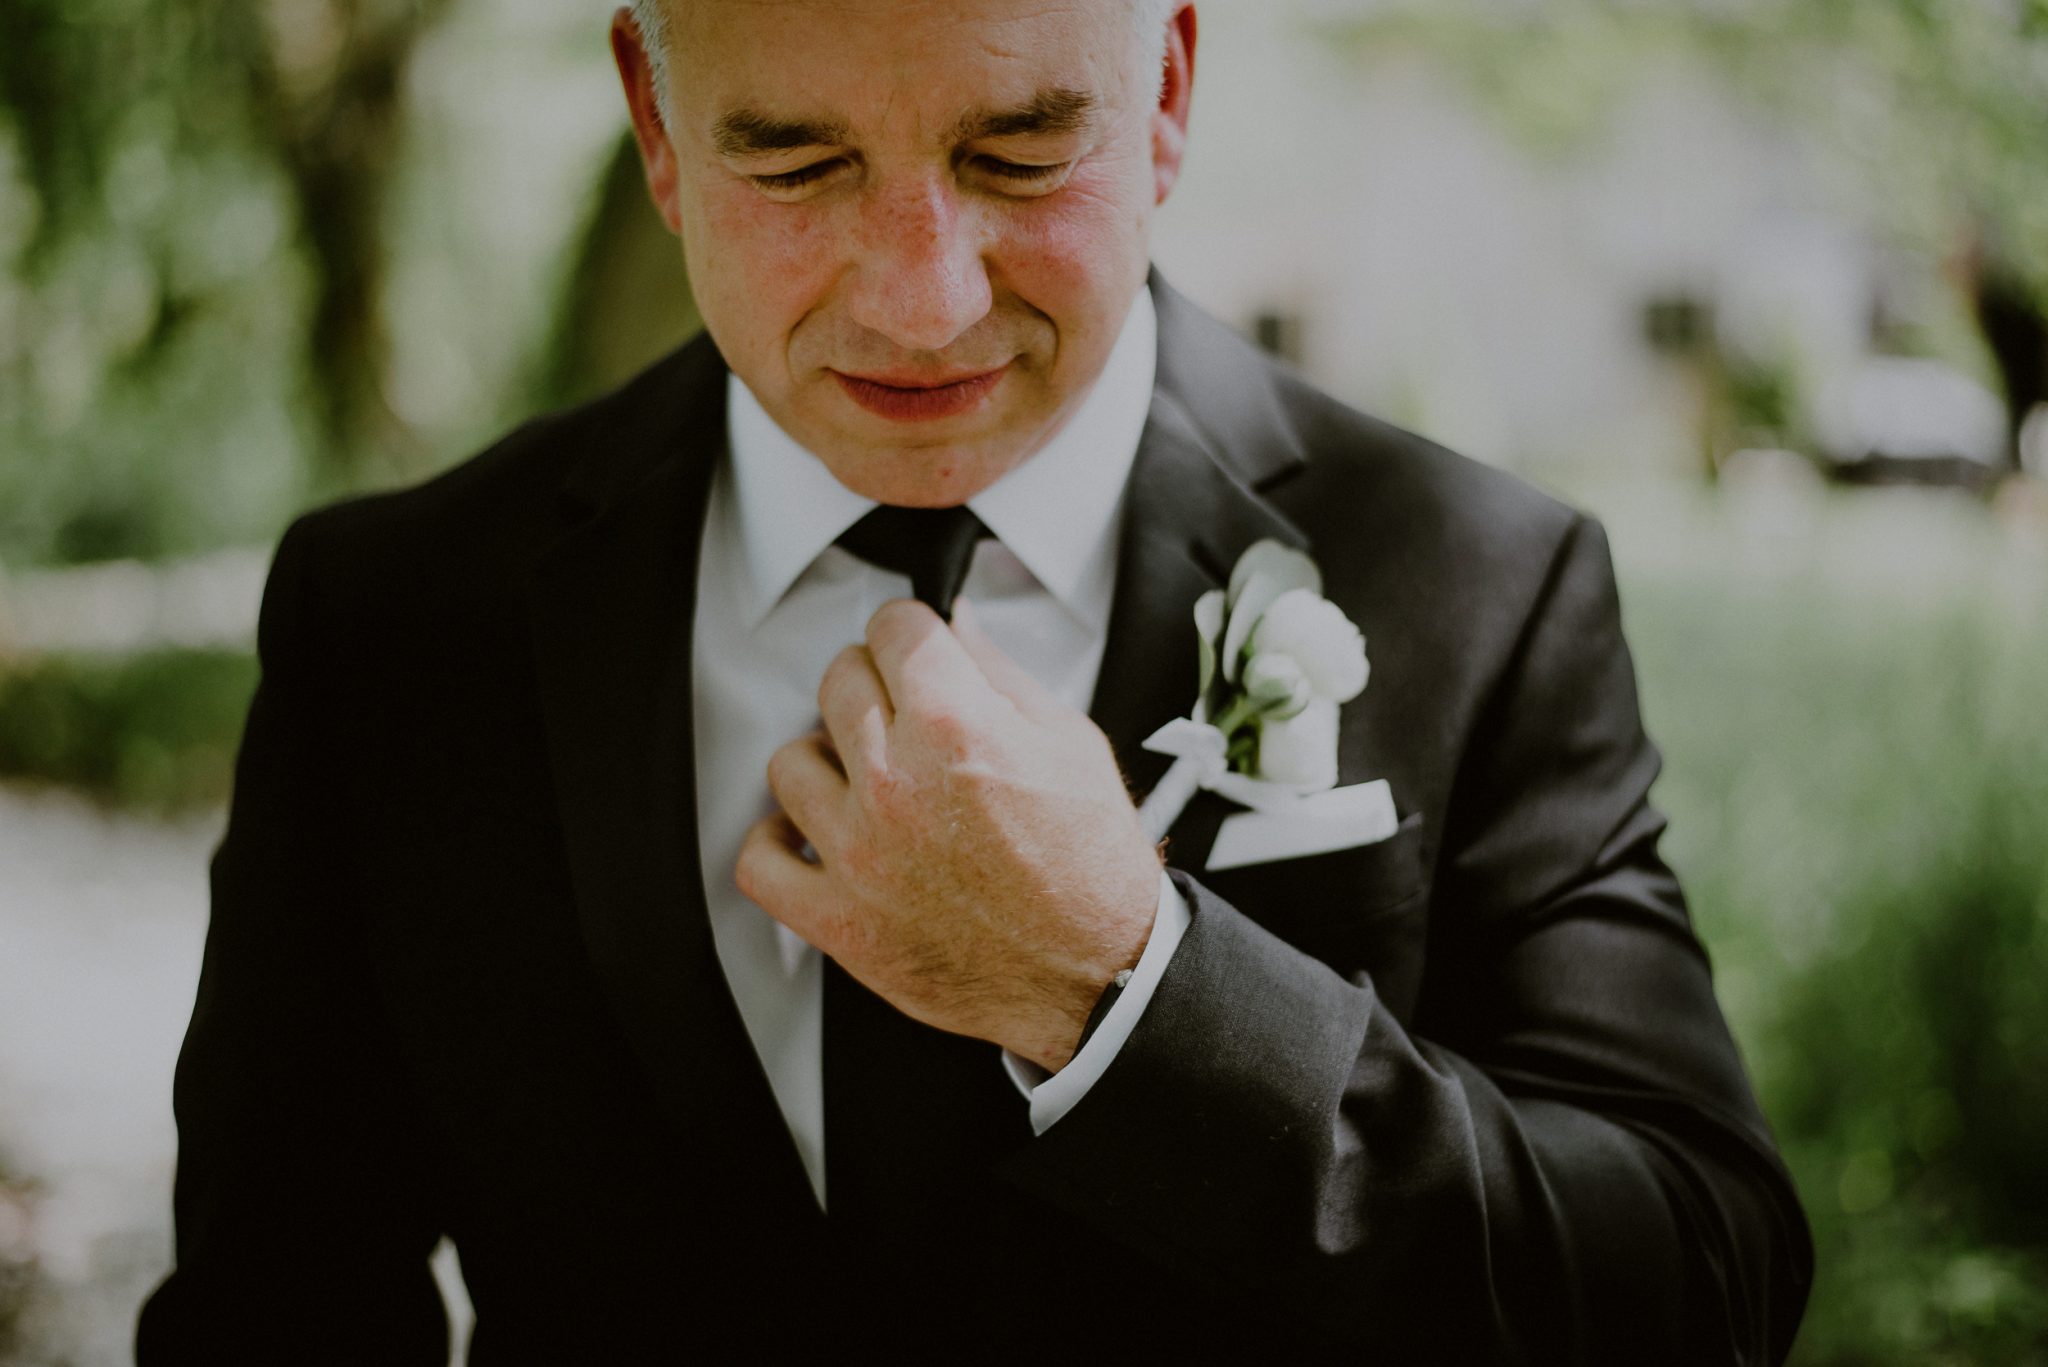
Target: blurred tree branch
327, 85
106, 98
626, 299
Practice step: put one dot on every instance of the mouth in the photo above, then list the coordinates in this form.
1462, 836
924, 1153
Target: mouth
911, 398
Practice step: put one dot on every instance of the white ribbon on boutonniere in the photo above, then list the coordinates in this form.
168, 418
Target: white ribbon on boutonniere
1276, 661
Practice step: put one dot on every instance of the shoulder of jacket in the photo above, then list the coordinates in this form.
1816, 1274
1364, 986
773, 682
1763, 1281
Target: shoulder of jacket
1365, 477
485, 519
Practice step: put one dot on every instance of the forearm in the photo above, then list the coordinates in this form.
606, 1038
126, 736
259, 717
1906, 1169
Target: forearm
1271, 1127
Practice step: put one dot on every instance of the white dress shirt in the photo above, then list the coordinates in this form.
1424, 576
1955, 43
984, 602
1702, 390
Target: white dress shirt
776, 600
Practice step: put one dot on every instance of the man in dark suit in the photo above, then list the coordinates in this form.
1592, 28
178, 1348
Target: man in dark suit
994, 1077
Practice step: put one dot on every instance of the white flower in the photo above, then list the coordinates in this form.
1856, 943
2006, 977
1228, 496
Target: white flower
1267, 569
1275, 662
1302, 748
1316, 634
1274, 560
1208, 634
1276, 685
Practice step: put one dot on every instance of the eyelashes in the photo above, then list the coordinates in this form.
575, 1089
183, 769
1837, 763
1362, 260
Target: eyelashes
1021, 175
797, 179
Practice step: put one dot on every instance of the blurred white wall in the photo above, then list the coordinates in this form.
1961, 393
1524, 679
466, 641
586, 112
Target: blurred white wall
1449, 279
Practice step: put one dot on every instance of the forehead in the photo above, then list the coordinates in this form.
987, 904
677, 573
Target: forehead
911, 65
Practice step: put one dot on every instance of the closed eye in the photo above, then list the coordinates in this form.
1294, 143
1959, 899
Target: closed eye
1016, 174
799, 178
1023, 174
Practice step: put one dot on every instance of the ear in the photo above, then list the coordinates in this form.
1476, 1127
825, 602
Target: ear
657, 153
1176, 94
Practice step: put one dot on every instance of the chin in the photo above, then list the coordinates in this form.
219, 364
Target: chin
938, 477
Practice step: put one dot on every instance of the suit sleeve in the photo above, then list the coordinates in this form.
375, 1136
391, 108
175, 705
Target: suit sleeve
1557, 1160
303, 1228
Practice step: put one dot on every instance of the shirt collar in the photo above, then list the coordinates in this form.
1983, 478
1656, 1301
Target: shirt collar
1053, 511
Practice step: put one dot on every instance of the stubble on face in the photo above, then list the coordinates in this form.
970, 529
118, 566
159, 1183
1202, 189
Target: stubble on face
908, 258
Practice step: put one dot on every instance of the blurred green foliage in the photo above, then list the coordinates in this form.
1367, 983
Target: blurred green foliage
253, 256
1857, 776
626, 298
198, 249
155, 733
151, 299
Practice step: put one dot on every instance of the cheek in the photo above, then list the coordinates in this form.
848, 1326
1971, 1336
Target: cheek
1068, 254
756, 265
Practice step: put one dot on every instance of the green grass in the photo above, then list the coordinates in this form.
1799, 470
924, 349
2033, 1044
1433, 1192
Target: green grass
1854, 714
154, 733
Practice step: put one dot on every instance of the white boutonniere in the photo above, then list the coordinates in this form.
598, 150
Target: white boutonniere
1276, 661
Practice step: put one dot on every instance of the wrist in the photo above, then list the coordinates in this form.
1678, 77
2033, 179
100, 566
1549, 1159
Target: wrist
1087, 993
1103, 1003
1052, 1038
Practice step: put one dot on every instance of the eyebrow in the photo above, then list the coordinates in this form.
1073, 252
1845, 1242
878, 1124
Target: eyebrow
1052, 110
748, 132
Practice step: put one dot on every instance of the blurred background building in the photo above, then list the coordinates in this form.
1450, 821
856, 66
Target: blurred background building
1762, 284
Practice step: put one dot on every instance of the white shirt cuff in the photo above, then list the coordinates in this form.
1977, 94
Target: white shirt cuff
1052, 1095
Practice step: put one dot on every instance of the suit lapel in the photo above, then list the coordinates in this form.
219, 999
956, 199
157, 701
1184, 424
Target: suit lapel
613, 603
1213, 441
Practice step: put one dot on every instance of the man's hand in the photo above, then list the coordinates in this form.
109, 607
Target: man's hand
980, 864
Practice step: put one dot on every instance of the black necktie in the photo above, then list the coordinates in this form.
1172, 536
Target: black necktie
912, 1114
932, 546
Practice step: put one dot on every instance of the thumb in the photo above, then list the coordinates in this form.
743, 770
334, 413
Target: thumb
1004, 674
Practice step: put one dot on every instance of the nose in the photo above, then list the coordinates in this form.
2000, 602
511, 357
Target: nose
920, 279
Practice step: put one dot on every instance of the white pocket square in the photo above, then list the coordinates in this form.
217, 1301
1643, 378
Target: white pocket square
1337, 819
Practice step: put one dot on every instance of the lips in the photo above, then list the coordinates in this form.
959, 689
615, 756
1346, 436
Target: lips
906, 398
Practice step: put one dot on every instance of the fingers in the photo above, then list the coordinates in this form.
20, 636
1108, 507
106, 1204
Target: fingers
773, 874
923, 665
854, 705
1004, 674
807, 782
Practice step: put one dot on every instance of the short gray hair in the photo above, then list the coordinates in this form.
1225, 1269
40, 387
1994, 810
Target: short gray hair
651, 17
1148, 16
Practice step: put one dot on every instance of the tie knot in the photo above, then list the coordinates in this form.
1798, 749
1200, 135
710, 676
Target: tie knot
931, 546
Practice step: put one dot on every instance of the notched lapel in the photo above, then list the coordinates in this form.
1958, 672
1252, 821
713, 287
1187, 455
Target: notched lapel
612, 607
613, 604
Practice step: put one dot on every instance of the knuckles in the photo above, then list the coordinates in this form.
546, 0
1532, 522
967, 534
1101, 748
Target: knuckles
898, 614
880, 789
947, 730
